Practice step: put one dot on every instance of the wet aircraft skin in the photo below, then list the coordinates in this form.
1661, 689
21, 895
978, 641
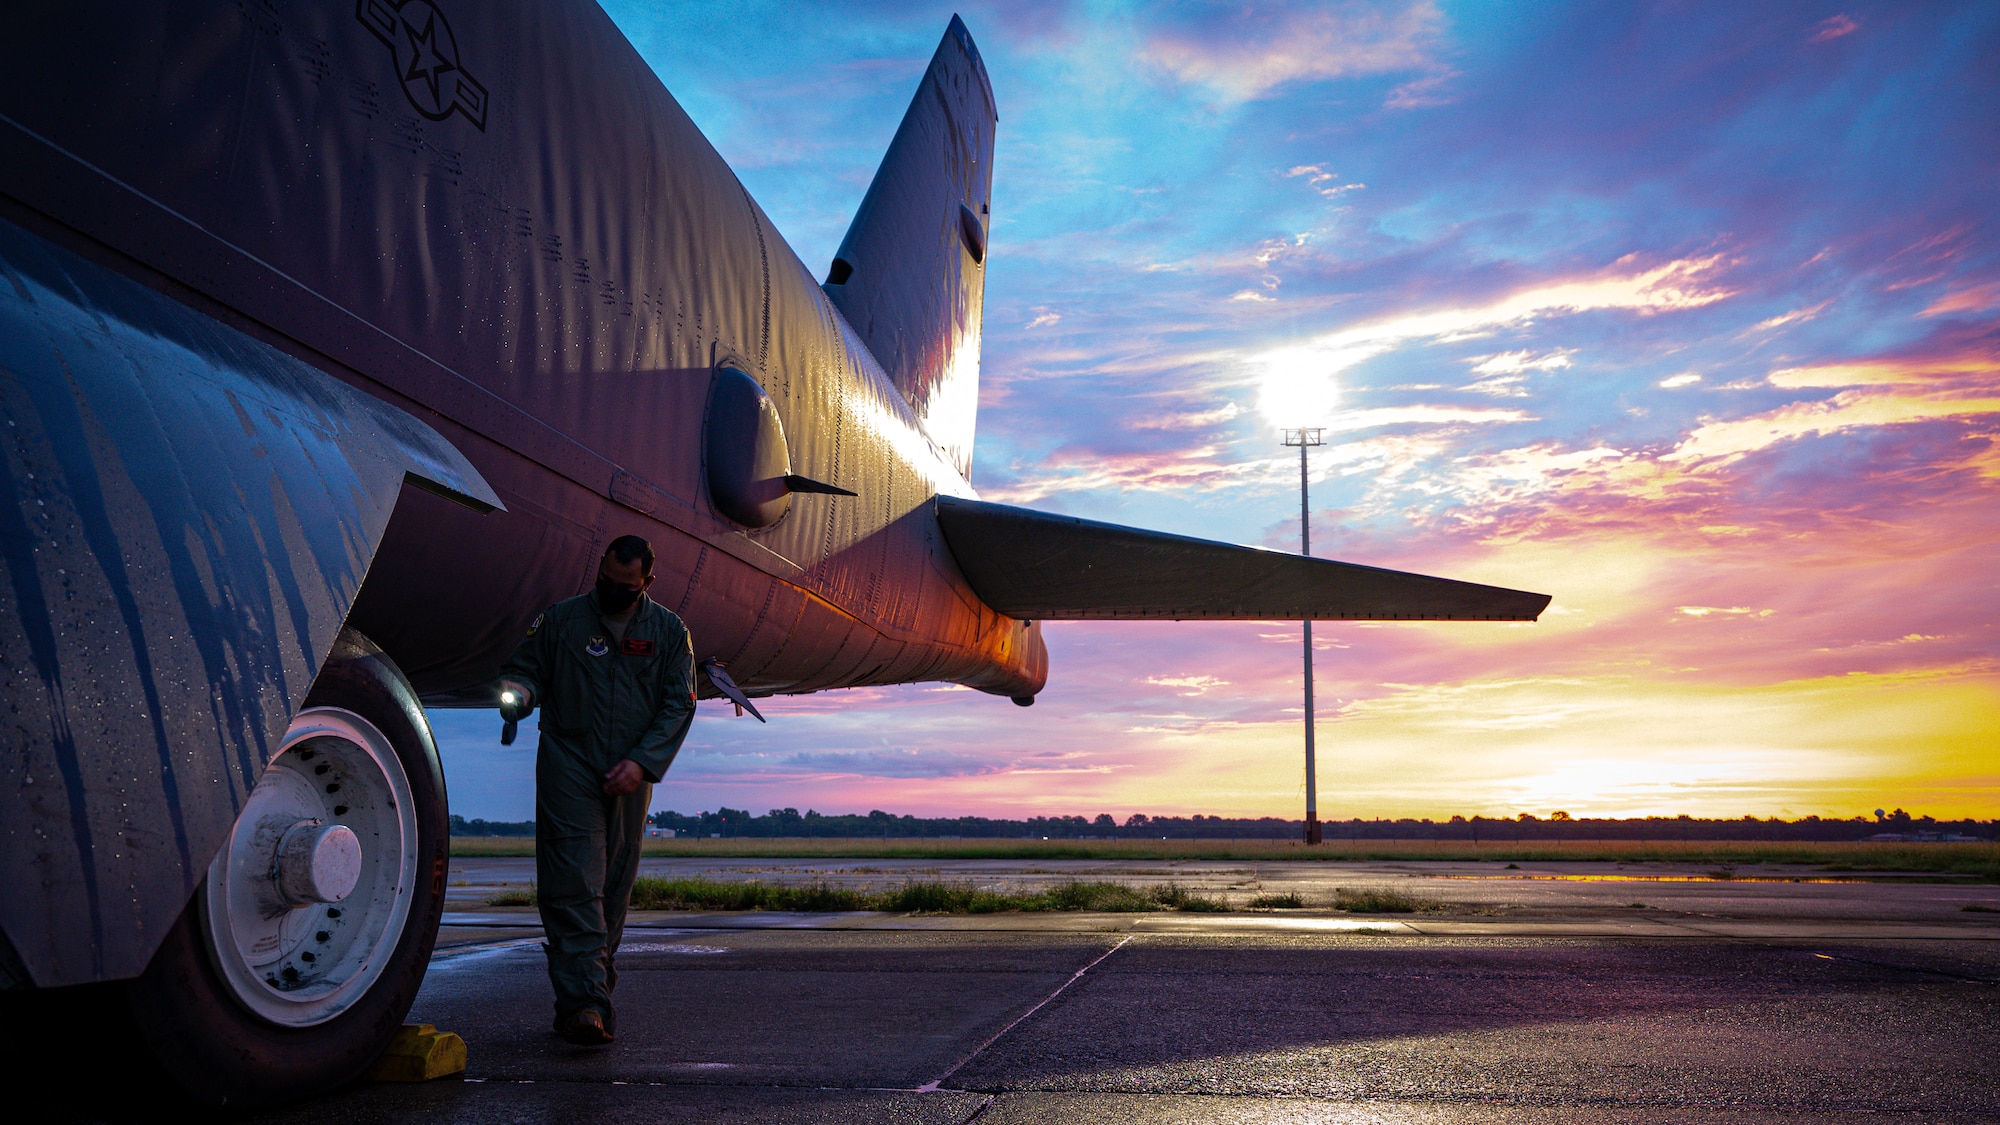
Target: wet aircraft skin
341, 337
550, 280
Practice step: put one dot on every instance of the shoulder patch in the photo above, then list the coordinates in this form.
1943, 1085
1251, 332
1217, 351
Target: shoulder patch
537, 623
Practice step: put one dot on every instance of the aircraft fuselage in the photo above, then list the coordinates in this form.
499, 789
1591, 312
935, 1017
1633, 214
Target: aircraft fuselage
545, 262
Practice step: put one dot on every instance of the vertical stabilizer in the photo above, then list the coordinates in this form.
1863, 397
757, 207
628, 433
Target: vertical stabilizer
910, 276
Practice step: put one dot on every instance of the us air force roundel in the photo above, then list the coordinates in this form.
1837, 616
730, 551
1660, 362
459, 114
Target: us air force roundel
427, 60
597, 646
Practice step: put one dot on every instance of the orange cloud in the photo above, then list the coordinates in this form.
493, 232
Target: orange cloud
1848, 410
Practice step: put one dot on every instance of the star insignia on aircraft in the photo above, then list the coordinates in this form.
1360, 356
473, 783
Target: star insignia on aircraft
432, 73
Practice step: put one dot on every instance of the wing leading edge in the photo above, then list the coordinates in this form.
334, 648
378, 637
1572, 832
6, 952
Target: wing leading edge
1043, 567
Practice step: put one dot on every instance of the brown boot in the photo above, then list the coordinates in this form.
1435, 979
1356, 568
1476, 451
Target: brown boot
584, 1028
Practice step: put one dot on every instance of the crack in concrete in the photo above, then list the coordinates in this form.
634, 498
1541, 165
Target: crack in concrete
932, 1086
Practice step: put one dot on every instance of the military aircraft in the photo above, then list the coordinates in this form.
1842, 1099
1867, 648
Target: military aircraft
336, 339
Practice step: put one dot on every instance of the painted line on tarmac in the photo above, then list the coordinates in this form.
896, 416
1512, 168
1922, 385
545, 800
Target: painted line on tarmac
931, 1087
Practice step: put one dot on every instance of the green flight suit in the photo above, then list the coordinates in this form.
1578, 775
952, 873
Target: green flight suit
602, 699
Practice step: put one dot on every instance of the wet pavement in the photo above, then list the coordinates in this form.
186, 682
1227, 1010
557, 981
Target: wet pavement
1536, 997
1542, 992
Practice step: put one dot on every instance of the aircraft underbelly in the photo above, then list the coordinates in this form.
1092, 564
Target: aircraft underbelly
450, 593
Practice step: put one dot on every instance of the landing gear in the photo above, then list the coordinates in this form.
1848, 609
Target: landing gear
304, 904
304, 949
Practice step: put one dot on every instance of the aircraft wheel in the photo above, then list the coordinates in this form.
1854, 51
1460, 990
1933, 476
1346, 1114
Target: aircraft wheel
305, 946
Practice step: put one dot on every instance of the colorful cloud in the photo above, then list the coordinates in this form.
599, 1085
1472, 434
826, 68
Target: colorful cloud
1687, 316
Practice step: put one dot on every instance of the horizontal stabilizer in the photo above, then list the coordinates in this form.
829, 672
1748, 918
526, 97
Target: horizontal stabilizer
1043, 567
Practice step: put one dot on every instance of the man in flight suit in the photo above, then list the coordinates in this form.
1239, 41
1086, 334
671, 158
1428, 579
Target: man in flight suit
613, 672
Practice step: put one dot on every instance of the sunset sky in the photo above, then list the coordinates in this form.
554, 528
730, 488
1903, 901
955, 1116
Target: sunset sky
1688, 315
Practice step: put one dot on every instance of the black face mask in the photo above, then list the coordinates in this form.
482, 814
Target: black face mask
613, 597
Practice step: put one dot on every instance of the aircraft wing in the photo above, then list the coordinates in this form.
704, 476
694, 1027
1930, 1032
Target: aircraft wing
1039, 566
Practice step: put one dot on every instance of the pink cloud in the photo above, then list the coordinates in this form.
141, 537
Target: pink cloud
1833, 27
1970, 299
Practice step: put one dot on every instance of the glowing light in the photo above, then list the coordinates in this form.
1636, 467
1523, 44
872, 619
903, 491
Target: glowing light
1300, 386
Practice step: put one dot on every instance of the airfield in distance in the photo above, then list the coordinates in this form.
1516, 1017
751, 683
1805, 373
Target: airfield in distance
1593, 992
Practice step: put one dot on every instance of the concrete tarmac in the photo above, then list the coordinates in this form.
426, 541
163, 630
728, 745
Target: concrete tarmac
1538, 997
1543, 993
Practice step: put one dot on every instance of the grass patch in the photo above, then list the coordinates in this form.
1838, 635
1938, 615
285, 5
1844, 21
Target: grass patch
1385, 902
653, 893
1115, 898
947, 898
937, 897
916, 897
512, 896
1074, 895
1173, 896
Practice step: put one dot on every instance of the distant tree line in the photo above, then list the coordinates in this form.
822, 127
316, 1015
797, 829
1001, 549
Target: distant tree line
463, 827
1558, 826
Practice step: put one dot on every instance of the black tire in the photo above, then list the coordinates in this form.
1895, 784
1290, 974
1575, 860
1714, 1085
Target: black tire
214, 1046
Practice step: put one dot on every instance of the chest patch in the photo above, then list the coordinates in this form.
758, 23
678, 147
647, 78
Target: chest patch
596, 646
633, 646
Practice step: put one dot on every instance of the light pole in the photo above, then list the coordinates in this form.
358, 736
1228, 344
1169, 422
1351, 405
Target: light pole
1306, 439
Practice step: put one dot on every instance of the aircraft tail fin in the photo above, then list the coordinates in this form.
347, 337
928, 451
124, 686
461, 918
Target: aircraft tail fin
1043, 567
910, 275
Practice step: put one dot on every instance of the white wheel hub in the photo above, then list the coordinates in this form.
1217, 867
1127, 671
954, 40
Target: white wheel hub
306, 902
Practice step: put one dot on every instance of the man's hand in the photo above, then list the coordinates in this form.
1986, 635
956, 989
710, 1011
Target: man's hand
625, 777
516, 701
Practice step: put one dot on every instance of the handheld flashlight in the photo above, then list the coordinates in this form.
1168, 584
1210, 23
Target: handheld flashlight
512, 710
